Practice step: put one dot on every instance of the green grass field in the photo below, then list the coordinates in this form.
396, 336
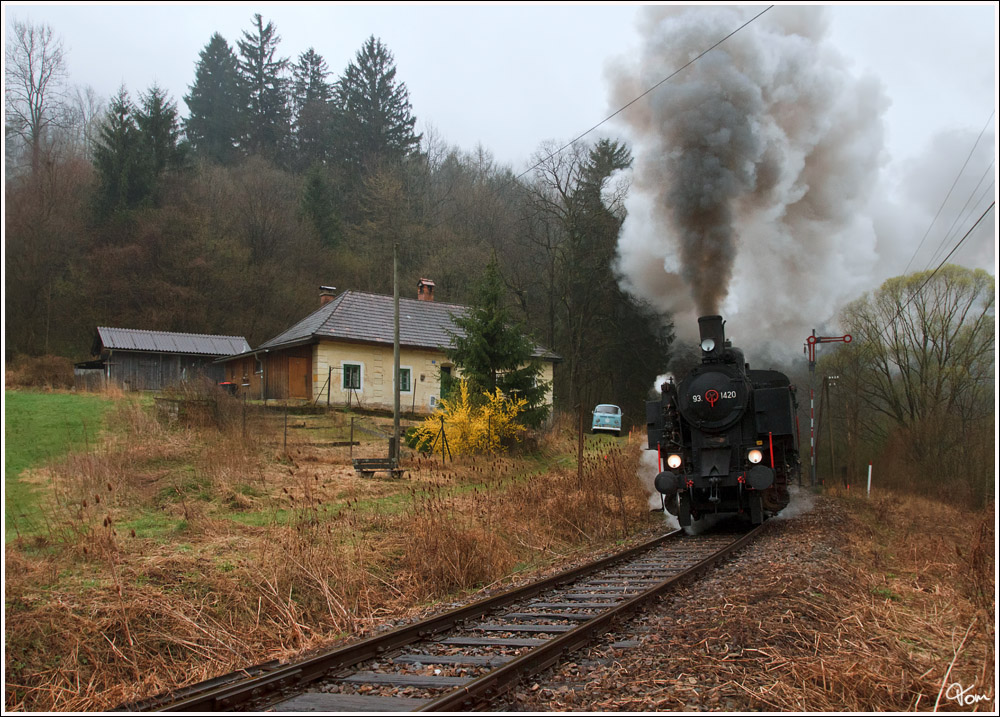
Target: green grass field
39, 427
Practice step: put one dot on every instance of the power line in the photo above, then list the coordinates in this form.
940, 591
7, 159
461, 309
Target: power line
933, 273
968, 207
651, 89
948, 195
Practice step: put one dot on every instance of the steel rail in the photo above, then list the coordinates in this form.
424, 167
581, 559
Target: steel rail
497, 681
210, 696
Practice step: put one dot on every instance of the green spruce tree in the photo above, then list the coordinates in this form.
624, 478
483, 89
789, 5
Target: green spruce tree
318, 206
122, 174
312, 97
159, 133
214, 125
376, 121
268, 111
614, 345
493, 351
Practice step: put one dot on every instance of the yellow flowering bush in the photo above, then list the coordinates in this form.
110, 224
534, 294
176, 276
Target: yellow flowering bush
489, 427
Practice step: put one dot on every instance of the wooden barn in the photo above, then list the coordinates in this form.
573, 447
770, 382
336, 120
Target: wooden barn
342, 353
142, 360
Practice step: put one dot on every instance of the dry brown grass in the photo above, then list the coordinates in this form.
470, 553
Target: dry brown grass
858, 606
911, 614
462, 541
48, 372
175, 553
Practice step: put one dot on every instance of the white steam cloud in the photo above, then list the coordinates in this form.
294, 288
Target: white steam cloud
754, 170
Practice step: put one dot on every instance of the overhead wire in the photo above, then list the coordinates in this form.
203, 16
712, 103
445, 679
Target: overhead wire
949, 233
916, 293
639, 97
948, 195
926, 233
966, 209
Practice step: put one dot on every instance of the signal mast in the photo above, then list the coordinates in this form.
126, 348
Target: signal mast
809, 348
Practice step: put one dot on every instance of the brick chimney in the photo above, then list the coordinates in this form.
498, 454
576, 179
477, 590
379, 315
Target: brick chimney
425, 290
326, 294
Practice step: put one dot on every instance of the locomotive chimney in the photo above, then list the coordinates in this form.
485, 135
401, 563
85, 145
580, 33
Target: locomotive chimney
713, 336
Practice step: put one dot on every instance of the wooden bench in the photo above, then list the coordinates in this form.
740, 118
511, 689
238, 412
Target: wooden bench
369, 466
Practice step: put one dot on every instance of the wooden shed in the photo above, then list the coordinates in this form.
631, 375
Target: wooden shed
141, 360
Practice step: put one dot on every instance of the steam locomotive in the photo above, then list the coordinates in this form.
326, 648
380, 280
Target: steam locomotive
726, 435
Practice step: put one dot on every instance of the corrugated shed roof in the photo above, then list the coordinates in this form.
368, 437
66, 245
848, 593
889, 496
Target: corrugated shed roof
169, 342
359, 316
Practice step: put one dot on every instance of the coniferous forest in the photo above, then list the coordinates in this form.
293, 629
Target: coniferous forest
223, 211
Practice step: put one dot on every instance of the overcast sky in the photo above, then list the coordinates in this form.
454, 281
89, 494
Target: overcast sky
512, 76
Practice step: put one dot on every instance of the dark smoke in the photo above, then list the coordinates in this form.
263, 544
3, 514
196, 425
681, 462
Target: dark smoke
753, 170
714, 158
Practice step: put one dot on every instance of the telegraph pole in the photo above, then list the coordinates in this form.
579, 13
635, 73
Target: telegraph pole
829, 422
824, 417
395, 355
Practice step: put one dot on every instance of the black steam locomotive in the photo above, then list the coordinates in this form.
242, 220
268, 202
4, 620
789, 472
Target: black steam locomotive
726, 435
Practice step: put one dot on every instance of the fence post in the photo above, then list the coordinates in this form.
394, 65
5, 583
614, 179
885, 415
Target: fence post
869, 479
444, 441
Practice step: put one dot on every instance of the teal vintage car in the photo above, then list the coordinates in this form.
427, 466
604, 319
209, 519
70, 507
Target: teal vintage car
607, 417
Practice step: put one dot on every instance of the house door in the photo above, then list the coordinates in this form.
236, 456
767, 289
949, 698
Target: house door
298, 377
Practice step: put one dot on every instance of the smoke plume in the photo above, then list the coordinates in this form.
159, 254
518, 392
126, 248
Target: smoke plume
754, 167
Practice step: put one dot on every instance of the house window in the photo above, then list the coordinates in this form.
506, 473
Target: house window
352, 376
405, 380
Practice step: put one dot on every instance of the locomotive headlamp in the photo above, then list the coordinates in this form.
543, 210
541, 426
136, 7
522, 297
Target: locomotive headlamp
674, 461
755, 456
708, 345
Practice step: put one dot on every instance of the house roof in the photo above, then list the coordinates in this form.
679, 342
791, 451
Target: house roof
168, 342
370, 318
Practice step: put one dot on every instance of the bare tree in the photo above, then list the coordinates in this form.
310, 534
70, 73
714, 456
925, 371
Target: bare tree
34, 74
87, 109
926, 343
918, 378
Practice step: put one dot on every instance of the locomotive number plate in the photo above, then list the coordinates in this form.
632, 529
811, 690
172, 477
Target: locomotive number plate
712, 397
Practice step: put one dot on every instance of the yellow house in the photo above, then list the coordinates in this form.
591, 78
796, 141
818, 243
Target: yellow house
342, 353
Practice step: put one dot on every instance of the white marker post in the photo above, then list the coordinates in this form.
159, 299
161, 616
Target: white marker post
869, 479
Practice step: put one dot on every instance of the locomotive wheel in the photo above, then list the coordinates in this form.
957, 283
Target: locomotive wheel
684, 510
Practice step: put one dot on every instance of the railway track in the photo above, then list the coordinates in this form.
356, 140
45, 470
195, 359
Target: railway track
462, 659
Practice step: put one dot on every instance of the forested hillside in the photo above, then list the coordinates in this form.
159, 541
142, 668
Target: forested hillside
223, 211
